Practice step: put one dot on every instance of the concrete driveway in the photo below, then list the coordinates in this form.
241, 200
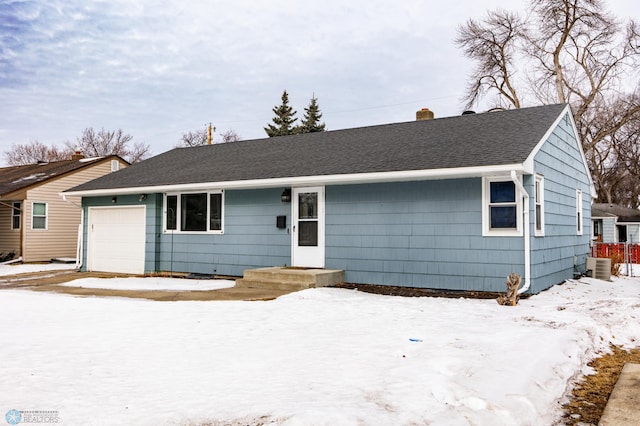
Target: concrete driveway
51, 280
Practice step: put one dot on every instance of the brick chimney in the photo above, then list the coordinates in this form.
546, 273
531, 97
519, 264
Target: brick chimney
77, 155
424, 114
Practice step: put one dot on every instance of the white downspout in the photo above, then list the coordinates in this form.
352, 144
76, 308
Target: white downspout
527, 233
80, 244
80, 241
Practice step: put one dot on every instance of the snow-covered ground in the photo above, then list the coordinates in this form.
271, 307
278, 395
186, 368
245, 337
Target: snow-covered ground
151, 284
19, 268
315, 357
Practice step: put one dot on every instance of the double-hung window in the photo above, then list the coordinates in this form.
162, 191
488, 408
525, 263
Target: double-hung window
16, 214
578, 212
501, 209
39, 216
539, 205
194, 212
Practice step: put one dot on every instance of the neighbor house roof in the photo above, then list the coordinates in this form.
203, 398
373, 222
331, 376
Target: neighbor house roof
16, 178
444, 147
624, 214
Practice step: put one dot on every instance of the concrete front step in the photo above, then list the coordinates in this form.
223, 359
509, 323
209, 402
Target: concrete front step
280, 278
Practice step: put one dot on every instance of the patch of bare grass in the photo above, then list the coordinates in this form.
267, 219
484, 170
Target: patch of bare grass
590, 396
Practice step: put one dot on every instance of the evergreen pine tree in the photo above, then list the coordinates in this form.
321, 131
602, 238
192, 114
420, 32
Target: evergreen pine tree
284, 119
312, 115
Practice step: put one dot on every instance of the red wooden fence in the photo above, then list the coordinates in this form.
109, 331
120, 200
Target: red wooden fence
618, 250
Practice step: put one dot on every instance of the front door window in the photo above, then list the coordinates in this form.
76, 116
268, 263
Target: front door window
308, 219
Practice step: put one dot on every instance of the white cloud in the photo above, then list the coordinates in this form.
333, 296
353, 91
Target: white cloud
159, 68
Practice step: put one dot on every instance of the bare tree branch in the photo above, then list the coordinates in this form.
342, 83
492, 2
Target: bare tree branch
492, 43
103, 143
32, 153
581, 55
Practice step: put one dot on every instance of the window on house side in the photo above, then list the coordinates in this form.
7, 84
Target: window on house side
579, 212
39, 216
502, 205
16, 214
115, 165
539, 205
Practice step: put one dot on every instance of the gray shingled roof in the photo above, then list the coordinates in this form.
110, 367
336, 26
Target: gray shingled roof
624, 214
16, 178
487, 139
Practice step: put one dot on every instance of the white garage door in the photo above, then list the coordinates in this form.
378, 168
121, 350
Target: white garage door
116, 239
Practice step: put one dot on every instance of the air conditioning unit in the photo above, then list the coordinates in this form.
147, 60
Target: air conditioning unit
599, 267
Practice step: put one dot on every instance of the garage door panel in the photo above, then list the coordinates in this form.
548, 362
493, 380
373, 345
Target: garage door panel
117, 239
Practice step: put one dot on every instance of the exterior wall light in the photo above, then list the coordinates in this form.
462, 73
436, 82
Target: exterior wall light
286, 195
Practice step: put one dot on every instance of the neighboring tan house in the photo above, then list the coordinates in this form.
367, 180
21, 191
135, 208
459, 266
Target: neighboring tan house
452, 203
613, 223
35, 222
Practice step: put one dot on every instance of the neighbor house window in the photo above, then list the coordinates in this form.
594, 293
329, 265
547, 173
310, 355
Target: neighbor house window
194, 212
115, 165
579, 212
16, 215
501, 209
597, 230
39, 216
539, 205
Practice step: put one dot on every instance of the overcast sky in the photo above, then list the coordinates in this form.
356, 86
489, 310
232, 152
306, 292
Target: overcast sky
159, 68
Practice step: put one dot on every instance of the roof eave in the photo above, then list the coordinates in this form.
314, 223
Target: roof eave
299, 181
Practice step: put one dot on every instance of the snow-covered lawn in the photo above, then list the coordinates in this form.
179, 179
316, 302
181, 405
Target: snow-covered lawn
315, 357
151, 284
19, 268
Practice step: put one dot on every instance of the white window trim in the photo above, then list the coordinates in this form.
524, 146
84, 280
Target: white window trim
115, 165
46, 216
486, 222
13, 214
179, 213
539, 200
579, 213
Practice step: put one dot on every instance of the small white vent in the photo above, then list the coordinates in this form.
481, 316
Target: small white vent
600, 268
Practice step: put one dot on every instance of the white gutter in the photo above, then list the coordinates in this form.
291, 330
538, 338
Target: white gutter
342, 179
527, 233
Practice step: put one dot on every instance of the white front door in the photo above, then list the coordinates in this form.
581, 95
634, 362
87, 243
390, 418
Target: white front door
307, 245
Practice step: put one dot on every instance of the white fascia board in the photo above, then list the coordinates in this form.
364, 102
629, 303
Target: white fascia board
528, 164
346, 179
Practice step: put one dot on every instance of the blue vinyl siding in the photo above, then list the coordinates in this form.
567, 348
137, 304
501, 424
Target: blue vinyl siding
417, 234
151, 222
609, 230
556, 256
425, 234
250, 240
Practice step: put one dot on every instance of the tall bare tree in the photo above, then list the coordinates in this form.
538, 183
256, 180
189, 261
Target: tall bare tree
94, 143
493, 44
575, 52
91, 143
33, 152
